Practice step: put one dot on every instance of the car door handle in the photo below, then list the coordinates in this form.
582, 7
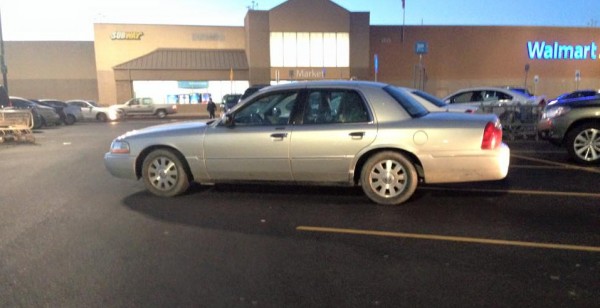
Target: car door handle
357, 135
278, 136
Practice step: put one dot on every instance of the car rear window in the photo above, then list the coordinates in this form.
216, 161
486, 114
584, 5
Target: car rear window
409, 104
430, 98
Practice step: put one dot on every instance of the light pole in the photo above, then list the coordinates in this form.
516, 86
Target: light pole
2, 62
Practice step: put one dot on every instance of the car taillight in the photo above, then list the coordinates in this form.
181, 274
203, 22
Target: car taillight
174, 107
492, 136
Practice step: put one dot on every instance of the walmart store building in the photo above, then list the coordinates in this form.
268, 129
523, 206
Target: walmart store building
300, 40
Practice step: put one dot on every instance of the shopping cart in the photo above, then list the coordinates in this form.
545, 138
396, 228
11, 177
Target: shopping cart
518, 121
16, 125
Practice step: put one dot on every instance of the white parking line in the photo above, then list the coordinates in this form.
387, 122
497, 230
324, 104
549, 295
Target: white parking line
563, 165
449, 238
519, 191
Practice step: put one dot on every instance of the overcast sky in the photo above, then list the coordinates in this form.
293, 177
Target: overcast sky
74, 19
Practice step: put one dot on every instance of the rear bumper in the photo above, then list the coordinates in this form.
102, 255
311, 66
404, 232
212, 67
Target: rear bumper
455, 168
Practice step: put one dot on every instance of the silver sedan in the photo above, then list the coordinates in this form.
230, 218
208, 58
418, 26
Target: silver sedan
353, 133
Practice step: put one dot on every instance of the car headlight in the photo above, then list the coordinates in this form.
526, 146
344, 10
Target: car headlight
555, 112
119, 147
113, 114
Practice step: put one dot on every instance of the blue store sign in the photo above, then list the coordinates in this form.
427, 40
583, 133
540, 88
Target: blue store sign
542, 50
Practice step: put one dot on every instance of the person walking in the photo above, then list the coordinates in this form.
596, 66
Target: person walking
211, 107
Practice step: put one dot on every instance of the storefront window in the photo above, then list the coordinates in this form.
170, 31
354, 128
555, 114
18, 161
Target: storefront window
290, 47
315, 49
277, 49
303, 51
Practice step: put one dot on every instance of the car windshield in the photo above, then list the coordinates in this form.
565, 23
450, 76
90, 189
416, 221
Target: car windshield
430, 98
411, 106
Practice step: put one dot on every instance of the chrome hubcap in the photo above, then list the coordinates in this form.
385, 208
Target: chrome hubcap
388, 178
162, 173
587, 144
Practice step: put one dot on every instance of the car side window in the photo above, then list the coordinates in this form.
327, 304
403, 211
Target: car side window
503, 96
318, 109
477, 96
328, 106
489, 96
271, 109
464, 97
351, 108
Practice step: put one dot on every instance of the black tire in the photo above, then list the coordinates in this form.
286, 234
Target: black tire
583, 143
164, 174
161, 114
70, 119
37, 122
102, 117
389, 178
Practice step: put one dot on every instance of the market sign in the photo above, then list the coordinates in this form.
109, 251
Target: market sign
542, 50
126, 35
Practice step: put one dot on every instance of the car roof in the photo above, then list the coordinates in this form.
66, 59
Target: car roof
326, 83
504, 90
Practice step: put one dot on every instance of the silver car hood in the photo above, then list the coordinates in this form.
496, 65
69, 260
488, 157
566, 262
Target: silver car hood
171, 129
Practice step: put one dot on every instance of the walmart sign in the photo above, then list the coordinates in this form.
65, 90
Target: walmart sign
556, 51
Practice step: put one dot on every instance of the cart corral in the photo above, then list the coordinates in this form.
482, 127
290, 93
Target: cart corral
16, 125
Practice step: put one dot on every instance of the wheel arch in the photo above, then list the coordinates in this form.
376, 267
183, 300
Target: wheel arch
579, 122
139, 162
365, 156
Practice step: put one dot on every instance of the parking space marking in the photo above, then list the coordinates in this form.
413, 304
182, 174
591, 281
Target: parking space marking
446, 238
519, 191
549, 162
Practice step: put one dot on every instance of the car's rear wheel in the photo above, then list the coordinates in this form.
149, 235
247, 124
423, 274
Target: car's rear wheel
583, 143
164, 173
69, 119
389, 178
102, 117
161, 114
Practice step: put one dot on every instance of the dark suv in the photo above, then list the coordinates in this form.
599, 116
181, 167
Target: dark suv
575, 124
252, 89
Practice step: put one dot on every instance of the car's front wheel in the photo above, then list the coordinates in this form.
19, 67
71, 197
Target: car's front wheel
161, 114
583, 143
389, 178
164, 173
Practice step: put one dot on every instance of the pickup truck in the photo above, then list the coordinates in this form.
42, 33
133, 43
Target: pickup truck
145, 106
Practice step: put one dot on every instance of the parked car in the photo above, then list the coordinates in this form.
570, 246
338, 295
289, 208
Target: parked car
575, 124
42, 115
473, 100
69, 114
91, 110
229, 101
575, 94
376, 136
144, 106
521, 90
251, 90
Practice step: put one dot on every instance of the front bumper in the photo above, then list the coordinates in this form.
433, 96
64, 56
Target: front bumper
551, 130
120, 165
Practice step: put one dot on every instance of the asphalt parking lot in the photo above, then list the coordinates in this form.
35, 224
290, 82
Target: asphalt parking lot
72, 235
